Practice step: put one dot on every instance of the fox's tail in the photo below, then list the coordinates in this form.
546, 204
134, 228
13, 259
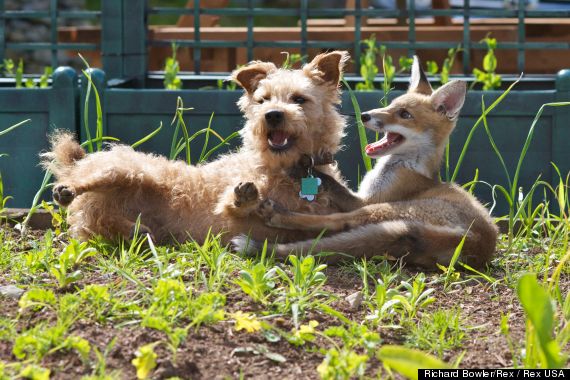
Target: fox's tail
416, 243
65, 151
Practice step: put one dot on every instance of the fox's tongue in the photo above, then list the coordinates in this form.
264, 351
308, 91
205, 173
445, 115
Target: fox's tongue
278, 138
387, 141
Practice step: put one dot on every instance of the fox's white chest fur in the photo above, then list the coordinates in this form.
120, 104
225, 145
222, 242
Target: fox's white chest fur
383, 176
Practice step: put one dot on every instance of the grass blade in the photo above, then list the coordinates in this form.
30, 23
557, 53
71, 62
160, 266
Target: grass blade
147, 137
2, 133
361, 128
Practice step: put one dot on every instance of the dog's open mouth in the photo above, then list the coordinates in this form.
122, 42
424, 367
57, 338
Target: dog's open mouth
388, 142
279, 140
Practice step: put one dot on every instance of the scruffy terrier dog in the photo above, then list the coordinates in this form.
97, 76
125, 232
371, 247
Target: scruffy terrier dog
402, 208
290, 114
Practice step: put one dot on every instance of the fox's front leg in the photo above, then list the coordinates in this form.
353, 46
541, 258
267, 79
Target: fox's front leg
277, 216
239, 201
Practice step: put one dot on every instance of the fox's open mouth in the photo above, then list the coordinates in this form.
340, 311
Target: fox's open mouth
388, 142
279, 141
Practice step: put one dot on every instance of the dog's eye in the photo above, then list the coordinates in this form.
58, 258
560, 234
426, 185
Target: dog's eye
263, 99
405, 114
299, 99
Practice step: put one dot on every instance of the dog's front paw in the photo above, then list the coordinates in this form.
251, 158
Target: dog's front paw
245, 193
63, 195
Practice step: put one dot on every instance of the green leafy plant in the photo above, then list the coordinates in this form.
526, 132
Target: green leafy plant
432, 68
416, 296
438, 332
487, 77
171, 70
8, 67
292, 59
258, 279
542, 350
302, 289
355, 336
65, 270
342, 364
407, 361
43, 81
368, 66
19, 74
145, 360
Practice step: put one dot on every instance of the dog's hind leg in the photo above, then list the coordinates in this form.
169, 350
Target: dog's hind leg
65, 193
105, 222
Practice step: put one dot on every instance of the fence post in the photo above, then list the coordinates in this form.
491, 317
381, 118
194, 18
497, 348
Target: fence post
62, 100
561, 126
123, 39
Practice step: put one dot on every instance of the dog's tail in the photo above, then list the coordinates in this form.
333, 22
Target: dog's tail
65, 151
416, 243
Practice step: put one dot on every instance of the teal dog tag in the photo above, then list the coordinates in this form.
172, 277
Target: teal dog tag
309, 188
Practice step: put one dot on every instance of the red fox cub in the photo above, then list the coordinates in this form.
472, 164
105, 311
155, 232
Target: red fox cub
401, 209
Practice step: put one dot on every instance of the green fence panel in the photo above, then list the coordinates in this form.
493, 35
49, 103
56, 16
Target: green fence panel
48, 109
130, 114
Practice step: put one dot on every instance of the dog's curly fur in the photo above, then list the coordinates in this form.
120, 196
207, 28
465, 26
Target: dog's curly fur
107, 191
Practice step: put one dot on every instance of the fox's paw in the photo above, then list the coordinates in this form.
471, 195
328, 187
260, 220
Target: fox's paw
266, 209
271, 212
245, 193
63, 195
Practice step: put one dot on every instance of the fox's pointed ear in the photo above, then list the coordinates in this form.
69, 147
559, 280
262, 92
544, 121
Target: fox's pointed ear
249, 76
327, 67
449, 98
418, 80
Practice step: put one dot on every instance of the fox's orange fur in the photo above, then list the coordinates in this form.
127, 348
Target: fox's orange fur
402, 209
107, 191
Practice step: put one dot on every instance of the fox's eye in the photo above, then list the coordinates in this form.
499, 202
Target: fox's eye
260, 101
299, 99
405, 114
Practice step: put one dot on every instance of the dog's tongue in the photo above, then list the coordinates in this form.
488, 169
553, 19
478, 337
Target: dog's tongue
383, 143
278, 138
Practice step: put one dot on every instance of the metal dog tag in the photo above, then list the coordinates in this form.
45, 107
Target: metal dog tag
309, 188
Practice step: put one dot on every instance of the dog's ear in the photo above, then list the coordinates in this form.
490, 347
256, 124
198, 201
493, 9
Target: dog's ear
249, 76
449, 98
327, 67
418, 80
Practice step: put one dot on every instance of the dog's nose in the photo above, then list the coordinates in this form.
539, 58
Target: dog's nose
274, 117
365, 117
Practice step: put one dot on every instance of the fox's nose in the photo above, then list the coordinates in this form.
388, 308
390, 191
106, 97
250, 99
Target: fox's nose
365, 117
274, 117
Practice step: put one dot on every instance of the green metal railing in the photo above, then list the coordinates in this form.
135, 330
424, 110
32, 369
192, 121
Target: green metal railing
53, 14
304, 12
124, 42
